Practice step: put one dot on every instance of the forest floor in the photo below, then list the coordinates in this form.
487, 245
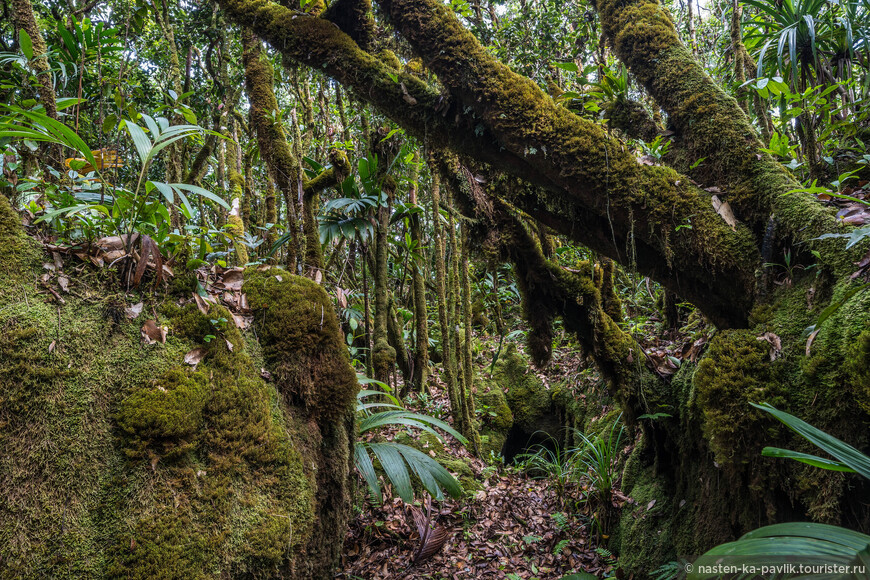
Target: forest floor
510, 526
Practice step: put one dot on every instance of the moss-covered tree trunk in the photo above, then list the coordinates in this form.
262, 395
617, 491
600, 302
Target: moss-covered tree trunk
418, 284
267, 122
447, 352
24, 19
235, 226
383, 354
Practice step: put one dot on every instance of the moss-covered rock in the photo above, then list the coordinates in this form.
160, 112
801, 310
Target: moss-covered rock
121, 461
496, 419
528, 398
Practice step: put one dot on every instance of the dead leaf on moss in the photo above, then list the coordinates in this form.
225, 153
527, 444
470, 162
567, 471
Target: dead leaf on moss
194, 357
200, 303
134, 311
242, 322
151, 333
724, 211
233, 279
811, 339
63, 282
775, 344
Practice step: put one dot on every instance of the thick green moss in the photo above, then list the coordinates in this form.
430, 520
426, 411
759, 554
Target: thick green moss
302, 341
165, 416
646, 528
858, 367
200, 473
528, 398
733, 374
496, 419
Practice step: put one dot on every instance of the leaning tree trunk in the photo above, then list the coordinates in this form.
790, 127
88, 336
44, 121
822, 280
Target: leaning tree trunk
24, 19
279, 157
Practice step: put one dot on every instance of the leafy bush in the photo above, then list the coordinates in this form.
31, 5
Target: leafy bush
397, 458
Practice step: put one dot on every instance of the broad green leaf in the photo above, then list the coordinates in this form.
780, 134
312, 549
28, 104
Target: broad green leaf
840, 450
201, 192
568, 66
140, 141
367, 470
813, 460
395, 469
26, 44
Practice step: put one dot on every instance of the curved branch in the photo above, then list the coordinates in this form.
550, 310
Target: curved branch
711, 124
504, 119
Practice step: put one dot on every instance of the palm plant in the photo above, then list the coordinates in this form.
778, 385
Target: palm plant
793, 542
377, 409
800, 29
137, 214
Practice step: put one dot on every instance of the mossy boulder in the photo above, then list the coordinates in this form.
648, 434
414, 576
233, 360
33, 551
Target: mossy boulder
496, 419
154, 468
528, 397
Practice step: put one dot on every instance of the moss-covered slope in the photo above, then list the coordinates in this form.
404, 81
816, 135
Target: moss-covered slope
122, 461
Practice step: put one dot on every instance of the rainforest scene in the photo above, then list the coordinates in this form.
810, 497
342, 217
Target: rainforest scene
435, 289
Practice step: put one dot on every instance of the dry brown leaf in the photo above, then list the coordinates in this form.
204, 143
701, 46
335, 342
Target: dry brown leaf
811, 339
134, 311
200, 303
151, 333
775, 344
195, 356
233, 279
342, 297
724, 211
63, 282
242, 322
229, 345
52, 346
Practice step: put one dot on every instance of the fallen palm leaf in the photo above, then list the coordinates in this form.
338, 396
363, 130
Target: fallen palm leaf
432, 537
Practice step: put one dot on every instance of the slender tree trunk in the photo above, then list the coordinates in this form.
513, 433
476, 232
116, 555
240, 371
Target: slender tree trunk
24, 19
421, 321
367, 311
690, 28
454, 301
468, 344
235, 225
383, 354
447, 354
271, 217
